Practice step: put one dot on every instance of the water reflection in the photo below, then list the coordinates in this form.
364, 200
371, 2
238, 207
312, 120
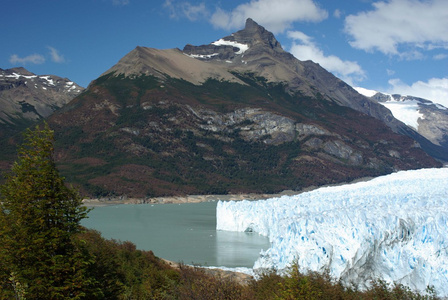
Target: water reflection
236, 247
181, 233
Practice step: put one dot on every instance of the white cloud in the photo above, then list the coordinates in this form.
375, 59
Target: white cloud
186, 9
337, 13
390, 72
55, 56
194, 12
169, 5
300, 37
33, 59
304, 48
276, 16
400, 27
435, 89
440, 56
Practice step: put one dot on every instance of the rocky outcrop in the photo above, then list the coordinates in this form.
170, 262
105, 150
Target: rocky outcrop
255, 125
305, 130
252, 124
434, 125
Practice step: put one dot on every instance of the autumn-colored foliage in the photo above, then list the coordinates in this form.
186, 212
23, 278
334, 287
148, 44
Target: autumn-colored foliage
46, 254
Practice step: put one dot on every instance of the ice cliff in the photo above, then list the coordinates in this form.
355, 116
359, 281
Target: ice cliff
393, 227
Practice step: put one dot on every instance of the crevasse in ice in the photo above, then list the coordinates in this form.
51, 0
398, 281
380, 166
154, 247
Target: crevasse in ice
393, 227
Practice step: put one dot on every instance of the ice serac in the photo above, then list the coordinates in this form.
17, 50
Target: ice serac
393, 227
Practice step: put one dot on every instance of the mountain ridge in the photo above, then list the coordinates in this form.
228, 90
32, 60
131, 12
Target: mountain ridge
164, 123
269, 60
26, 98
265, 57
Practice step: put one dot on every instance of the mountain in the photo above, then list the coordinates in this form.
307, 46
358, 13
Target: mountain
255, 50
237, 115
424, 116
26, 98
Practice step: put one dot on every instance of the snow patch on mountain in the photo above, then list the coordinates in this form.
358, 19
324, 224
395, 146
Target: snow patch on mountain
204, 56
17, 76
243, 47
393, 227
405, 110
49, 80
365, 92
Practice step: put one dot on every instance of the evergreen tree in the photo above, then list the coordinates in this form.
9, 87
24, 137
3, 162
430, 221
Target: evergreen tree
40, 258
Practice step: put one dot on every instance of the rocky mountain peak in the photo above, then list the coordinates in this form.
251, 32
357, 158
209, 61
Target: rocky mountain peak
251, 24
254, 34
253, 39
20, 70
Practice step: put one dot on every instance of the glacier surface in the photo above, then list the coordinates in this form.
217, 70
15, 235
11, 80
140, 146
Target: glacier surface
393, 227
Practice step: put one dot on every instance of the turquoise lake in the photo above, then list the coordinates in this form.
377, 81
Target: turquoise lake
178, 232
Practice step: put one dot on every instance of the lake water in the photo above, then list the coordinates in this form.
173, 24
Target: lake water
178, 232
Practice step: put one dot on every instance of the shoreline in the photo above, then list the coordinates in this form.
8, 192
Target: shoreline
222, 272
182, 199
107, 201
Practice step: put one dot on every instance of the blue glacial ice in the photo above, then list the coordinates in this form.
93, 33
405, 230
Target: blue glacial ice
393, 227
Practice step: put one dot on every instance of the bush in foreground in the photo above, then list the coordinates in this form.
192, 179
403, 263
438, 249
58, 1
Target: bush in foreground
129, 273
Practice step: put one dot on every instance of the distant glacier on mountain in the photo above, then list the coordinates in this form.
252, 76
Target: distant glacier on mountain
424, 116
393, 227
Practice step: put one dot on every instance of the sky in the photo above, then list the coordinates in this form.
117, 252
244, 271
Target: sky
392, 46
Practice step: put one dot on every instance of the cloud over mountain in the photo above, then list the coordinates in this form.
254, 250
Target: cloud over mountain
400, 27
435, 89
32, 58
276, 16
55, 55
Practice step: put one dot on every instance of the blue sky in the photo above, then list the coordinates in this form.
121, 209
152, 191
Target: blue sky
395, 46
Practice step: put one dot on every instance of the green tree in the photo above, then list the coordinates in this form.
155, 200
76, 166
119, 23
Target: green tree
40, 258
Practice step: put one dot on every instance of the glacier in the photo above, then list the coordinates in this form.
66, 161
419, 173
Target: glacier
393, 228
